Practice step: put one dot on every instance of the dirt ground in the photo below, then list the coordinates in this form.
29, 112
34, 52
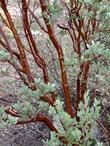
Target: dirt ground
26, 135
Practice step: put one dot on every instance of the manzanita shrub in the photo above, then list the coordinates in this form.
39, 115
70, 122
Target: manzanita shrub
57, 43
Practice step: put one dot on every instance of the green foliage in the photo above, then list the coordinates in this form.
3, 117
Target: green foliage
108, 117
95, 52
54, 140
80, 133
30, 100
4, 55
29, 104
55, 10
26, 109
6, 120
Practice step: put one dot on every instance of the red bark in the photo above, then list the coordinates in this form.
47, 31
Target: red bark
37, 57
58, 47
23, 58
